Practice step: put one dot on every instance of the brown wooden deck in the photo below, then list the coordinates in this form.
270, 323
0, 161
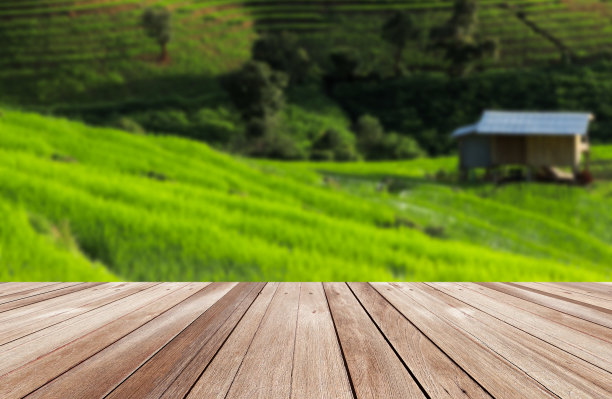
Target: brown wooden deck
309, 340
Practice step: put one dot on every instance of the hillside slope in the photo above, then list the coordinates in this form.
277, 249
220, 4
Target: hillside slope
164, 208
56, 50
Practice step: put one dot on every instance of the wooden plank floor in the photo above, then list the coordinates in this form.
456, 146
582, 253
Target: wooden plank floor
305, 340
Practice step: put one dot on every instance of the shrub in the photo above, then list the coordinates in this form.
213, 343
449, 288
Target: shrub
336, 145
217, 126
396, 146
129, 125
369, 135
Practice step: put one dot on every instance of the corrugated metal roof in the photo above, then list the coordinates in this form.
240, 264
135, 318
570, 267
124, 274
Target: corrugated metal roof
525, 123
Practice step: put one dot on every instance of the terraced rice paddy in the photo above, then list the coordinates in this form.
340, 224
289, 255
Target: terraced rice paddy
68, 47
82, 203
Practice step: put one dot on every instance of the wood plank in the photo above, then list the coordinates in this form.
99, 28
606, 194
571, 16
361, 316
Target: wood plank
44, 294
560, 372
375, 370
66, 303
318, 366
32, 346
560, 305
566, 320
98, 375
596, 289
22, 288
584, 346
176, 367
266, 370
34, 292
576, 290
43, 369
439, 376
470, 354
29, 319
220, 373
601, 305
181, 385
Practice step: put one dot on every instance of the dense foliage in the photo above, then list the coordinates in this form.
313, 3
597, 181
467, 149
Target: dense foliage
429, 106
420, 69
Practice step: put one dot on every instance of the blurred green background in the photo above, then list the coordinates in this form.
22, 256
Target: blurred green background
256, 140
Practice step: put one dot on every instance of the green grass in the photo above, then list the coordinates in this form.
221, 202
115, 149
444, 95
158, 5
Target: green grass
163, 208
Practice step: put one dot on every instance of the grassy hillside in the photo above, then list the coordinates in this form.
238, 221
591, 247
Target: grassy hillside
164, 208
56, 50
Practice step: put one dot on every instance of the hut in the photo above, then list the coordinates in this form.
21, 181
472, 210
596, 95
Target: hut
536, 140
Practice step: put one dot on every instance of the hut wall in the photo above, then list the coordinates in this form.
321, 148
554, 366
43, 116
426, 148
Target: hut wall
475, 151
536, 150
508, 150
553, 150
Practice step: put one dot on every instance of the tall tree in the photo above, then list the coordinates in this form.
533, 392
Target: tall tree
283, 52
398, 31
156, 22
460, 39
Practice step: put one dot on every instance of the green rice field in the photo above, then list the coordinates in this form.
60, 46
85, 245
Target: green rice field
85, 203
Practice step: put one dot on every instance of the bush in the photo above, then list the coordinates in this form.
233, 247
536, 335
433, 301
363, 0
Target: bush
336, 145
276, 145
165, 121
129, 125
395, 146
217, 126
369, 133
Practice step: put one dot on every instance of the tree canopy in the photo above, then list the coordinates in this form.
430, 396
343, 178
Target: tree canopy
156, 22
460, 39
398, 30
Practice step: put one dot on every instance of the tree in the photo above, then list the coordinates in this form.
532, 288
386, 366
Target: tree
282, 51
398, 31
460, 40
335, 144
370, 134
156, 23
257, 90
345, 64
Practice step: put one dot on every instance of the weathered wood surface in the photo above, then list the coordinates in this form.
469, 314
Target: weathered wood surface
305, 340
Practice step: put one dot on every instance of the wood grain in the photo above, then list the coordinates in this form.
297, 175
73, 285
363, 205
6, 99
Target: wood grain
584, 346
524, 307
38, 293
560, 372
35, 345
22, 289
266, 370
187, 378
220, 373
43, 369
599, 290
318, 367
603, 305
305, 340
192, 348
595, 290
437, 373
375, 370
26, 320
470, 354
560, 305
118, 361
